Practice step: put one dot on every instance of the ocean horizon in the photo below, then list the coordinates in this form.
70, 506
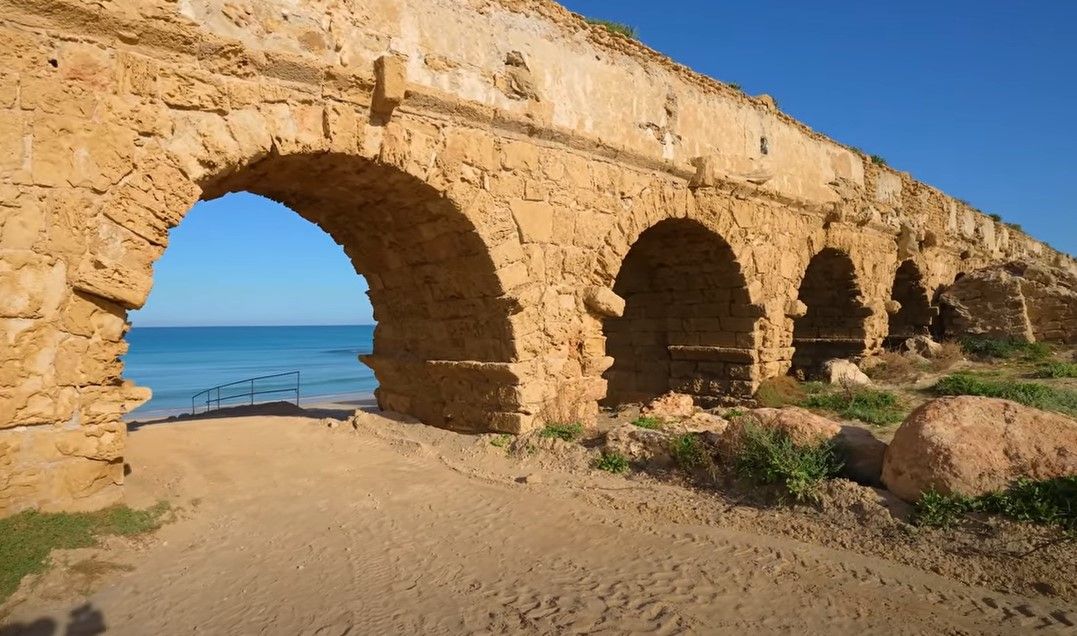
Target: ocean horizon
178, 362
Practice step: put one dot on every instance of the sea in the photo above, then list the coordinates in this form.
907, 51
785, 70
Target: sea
178, 362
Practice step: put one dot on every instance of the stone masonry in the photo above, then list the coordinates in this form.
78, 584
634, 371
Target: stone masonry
545, 212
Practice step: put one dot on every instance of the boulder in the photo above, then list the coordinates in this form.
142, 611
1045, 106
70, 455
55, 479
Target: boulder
802, 426
843, 372
640, 445
1018, 300
671, 406
975, 445
923, 346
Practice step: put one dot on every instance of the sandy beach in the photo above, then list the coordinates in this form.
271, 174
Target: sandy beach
287, 526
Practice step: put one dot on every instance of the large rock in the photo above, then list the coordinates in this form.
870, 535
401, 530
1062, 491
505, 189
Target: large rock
975, 445
802, 426
640, 445
844, 373
923, 346
671, 406
1014, 300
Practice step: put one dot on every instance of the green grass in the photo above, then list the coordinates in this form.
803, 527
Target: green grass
1038, 396
1005, 348
612, 462
997, 218
734, 413
26, 539
872, 406
1045, 502
769, 457
1056, 370
501, 441
877, 160
649, 423
615, 27
688, 451
567, 432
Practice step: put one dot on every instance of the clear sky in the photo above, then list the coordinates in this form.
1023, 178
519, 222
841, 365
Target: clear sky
977, 98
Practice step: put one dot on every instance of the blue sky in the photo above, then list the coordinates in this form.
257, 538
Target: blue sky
976, 98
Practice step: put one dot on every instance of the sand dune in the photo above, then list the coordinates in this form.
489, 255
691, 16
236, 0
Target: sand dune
288, 527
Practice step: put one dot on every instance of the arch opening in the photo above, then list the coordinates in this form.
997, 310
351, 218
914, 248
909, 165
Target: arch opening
833, 325
688, 324
916, 314
442, 334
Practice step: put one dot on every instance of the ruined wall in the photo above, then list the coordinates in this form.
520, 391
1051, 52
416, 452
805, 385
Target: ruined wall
487, 165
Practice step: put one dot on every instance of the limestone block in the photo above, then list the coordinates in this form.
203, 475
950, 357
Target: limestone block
534, 220
390, 84
30, 286
796, 308
893, 307
604, 302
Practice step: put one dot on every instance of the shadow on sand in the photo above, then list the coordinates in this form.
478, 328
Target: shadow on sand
85, 620
337, 410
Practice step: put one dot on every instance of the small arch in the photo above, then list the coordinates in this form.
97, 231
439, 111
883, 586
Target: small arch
834, 324
688, 324
916, 314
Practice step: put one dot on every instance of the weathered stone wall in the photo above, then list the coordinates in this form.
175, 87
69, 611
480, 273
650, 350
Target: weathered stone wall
487, 165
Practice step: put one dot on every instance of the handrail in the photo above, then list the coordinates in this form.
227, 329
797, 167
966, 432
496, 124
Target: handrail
213, 397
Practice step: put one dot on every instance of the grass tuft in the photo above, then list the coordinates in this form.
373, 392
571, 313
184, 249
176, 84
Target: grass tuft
779, 391
616, 27
769, 457
1050, 502
612, 462
26, 539
878, 160
1005, 349
649, 423
567, 432
687, 450
501, 441
1038, 396
872, 406
997, 218
1056, 370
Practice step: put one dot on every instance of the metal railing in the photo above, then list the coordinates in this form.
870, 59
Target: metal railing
212, 399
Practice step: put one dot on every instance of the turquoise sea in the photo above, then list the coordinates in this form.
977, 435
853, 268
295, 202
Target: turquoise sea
177, 362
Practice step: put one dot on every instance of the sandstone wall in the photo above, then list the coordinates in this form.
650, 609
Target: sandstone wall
487, 165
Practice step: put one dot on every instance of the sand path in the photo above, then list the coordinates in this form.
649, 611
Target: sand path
287, 527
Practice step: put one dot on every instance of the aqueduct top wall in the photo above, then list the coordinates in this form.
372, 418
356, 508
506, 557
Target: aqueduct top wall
487, 165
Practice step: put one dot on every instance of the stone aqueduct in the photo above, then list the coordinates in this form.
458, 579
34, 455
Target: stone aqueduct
547, 214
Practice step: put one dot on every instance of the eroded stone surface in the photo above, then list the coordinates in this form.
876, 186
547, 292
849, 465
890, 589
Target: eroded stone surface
447, 146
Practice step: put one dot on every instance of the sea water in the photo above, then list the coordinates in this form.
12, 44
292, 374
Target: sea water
178, 362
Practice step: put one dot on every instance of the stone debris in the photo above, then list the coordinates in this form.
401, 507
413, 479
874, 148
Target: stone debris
976, 445
671, 406
922, 346
844, 373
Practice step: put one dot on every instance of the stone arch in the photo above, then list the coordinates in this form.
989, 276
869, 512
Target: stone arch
443, 346
688, 323
833, 324
914, 313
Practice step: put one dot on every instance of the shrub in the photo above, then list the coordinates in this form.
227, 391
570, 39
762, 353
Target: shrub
735, 86
1016, 227
891, 366
688, 451
1005, 348
26, 539
778, 392
1044, 502
615, 27
877, 160
872, 406
567, 432
650, 423
501, 441
612, 462
1038, 396
770, 457
949, 354
734, 413
1056, 370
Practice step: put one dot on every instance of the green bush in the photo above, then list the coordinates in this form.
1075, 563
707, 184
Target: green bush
877, 160
688, 451
997, 218
736, 86
615, 27
566, 432
770, 457
26, 539
1056, 370
1004, 348
1044, 502
1038, 396
501, 441
872, 406
650, 423
612, 462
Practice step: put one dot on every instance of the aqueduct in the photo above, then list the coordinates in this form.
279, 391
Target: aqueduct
541, 208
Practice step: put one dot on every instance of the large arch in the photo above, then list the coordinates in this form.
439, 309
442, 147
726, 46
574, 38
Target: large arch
833, 325
688, 323
914, 314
